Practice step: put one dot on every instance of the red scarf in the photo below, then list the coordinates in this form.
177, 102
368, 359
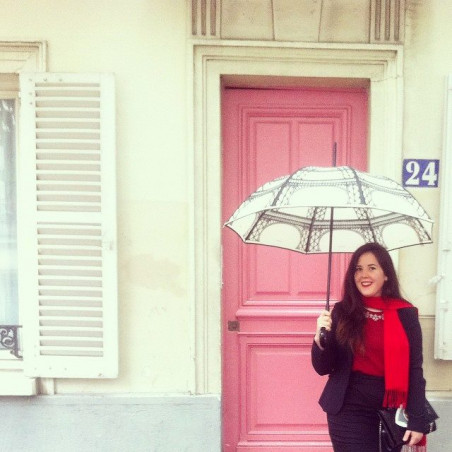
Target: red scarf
396, 351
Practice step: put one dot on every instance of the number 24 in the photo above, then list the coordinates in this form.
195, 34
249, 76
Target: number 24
429, 174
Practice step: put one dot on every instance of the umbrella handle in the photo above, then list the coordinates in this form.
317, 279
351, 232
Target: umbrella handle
323, 337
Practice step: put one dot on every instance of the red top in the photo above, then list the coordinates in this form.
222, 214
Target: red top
372, 361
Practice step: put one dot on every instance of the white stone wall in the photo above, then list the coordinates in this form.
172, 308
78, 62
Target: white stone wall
144, 44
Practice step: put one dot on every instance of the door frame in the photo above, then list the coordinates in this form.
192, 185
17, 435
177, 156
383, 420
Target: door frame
216, 64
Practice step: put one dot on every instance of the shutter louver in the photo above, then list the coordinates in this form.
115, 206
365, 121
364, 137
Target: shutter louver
70, 310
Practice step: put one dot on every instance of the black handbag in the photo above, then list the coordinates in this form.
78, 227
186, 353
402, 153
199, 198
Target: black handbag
391, 434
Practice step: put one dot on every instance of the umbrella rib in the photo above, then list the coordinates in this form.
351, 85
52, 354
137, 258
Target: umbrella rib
253, 227
311, 227
370, 226
363, 202
362, 199
283, 186
274, 203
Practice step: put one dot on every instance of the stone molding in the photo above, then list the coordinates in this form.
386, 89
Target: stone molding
327, 21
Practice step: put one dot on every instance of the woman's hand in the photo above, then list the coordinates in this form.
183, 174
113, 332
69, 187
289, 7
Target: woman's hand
411, 438
323, 321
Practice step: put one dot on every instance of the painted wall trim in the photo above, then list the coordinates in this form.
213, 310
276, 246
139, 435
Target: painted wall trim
443, 318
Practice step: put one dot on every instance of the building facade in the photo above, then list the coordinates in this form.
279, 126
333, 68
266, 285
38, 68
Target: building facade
117, 131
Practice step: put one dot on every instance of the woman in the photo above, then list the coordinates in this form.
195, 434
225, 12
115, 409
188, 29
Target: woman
373, 355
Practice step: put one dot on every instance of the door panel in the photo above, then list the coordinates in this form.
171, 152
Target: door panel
270, 390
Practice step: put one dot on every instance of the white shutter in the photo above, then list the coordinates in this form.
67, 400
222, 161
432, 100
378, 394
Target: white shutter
443, 319
67, 225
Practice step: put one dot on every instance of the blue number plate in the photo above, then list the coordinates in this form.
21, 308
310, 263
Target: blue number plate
420, 173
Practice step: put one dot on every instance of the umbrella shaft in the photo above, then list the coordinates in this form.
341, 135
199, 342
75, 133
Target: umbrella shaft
330, 253
330, 246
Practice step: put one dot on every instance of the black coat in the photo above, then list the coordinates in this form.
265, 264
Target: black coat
337, 361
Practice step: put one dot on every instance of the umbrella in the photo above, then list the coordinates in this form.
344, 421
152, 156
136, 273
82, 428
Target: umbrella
331, 209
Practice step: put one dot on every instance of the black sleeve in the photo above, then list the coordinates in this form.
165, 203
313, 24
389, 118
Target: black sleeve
324, 361
416, 389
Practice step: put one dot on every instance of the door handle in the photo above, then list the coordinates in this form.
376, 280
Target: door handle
233, 325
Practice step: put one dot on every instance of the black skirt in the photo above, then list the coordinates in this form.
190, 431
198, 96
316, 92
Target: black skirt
356, 427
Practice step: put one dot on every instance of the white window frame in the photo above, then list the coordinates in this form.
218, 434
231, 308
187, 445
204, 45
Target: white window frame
16, 57
11, 92
443, 319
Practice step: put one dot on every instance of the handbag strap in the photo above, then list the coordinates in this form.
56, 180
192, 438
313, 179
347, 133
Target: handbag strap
380, 427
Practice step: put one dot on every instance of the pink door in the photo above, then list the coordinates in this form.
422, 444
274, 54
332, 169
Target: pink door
271, 297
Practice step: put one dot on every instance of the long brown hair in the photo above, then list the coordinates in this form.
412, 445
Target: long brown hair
351, 311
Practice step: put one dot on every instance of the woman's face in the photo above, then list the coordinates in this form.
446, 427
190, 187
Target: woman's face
369, 276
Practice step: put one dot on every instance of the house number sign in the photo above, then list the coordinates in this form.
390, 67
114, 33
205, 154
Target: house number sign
420, 173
